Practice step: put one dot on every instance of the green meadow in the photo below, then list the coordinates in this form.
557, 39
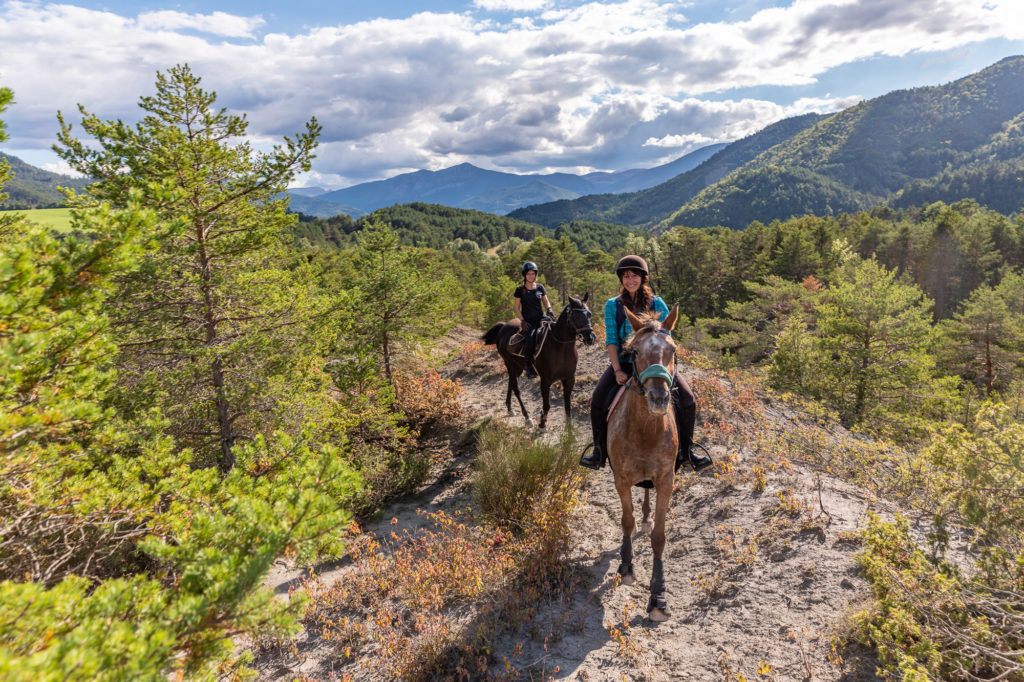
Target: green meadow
58, 219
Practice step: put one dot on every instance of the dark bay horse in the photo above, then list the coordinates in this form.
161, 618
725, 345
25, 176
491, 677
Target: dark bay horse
555, 360
642, 444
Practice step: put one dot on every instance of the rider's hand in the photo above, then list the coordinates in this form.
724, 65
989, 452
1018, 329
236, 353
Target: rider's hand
621, 376
522, 325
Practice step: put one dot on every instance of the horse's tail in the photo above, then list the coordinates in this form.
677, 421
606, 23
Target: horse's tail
491, 336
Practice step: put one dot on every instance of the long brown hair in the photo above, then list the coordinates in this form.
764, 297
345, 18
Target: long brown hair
644, 296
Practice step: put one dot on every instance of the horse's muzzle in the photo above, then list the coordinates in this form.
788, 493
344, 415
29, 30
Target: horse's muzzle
658, 400
589, 339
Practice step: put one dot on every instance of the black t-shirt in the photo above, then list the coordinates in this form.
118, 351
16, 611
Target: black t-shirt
532, 307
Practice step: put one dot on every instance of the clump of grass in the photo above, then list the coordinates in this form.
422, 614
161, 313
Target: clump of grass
518, 476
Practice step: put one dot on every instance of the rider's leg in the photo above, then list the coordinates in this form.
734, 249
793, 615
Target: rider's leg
599, 420
528, 348
685, 407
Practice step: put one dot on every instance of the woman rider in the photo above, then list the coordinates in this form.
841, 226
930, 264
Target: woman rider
635, 294
527, 302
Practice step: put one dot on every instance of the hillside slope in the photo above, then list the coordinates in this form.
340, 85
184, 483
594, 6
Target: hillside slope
36, 188
760, 560
657, 203
927, 144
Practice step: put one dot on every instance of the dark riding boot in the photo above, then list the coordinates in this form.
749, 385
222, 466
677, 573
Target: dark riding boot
528, 351
686, 418
599, 427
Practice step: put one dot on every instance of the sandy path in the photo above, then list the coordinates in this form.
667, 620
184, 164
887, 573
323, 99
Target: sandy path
738, 604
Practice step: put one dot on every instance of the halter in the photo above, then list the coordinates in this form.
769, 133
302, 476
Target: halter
655, 371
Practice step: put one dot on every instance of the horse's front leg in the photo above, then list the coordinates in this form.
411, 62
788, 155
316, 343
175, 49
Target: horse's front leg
645, 525
567, 385
508, 394
513, 386
657, 607
628, 524
545, 396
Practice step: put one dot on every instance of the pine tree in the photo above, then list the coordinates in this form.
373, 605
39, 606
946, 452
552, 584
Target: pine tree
877, 334
118, 560
989, 337
401, 300
211, 327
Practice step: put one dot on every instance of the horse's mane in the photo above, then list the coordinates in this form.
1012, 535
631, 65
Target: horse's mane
650, 323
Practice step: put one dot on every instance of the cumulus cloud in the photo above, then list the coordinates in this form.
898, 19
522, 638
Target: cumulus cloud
591, 86
511, 5
217, 23
677, 141
61, 167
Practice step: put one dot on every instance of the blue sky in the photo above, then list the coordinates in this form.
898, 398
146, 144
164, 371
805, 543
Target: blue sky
521, 86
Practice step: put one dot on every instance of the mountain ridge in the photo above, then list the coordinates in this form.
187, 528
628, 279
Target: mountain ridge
468, 186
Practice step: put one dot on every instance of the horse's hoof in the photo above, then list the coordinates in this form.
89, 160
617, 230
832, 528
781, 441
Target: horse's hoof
658, 609
645, 527
626, 574
659, 615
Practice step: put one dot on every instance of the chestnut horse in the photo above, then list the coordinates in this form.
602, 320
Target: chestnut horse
642, 443
555, 361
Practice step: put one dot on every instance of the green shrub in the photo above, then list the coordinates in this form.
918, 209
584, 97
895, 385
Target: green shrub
517, 475
933, 618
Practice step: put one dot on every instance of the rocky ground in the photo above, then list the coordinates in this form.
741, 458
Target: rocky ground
760, 567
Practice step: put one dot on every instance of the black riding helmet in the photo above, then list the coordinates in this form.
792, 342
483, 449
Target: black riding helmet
631, 263
529, 265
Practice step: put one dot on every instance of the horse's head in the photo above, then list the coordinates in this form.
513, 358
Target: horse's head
578, 316
654, 362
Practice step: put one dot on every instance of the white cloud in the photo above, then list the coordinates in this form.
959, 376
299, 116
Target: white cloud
511, 5
676, 141
598, 85
62, 168
217, 23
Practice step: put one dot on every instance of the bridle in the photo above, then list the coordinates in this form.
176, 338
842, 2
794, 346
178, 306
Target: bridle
569, 311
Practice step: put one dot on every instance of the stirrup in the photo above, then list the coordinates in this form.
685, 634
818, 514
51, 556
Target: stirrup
588, 461
697, 462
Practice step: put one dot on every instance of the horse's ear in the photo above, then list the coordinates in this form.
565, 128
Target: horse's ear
586, 297
669, 322
634, 321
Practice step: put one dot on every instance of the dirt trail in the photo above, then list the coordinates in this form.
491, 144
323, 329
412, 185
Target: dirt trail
756, 578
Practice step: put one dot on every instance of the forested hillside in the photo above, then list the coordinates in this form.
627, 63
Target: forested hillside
647, 207
419, 224
936, 142
943, 143
33, 187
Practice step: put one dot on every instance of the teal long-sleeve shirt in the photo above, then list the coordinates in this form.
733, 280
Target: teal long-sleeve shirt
619, 336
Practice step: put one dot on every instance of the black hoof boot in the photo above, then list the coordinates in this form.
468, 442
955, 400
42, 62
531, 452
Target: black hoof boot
658, 609
595, 460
